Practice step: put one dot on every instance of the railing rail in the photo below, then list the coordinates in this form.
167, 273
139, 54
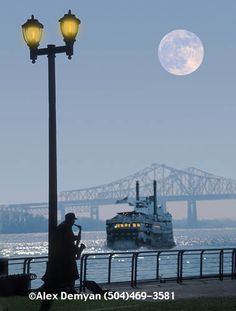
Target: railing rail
141, 266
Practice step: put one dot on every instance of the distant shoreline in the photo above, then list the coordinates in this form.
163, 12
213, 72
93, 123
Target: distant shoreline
104, 230
39, 224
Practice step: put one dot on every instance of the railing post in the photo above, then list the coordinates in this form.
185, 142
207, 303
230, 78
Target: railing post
132, 271
158, 265
85, 271
25, 264
221, 263
109, 268
81, 273
233, 264
180, 267
28, 265
201, 263
28, 268
135, 269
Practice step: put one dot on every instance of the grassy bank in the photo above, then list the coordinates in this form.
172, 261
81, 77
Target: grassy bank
24, 304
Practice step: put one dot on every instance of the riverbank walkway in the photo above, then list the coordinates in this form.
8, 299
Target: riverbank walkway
195, 288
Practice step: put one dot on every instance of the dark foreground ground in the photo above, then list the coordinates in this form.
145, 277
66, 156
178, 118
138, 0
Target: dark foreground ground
191, 295
198, 304
187, 289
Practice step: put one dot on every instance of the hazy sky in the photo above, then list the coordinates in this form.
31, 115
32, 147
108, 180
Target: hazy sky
118, 110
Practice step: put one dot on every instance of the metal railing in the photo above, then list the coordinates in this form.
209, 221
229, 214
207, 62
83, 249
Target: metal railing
160, 265
140, 266
27, 265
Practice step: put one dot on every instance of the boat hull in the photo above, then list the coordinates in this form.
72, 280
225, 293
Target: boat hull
126, 241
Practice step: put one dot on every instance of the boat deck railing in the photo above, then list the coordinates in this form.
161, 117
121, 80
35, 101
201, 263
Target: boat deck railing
140, 266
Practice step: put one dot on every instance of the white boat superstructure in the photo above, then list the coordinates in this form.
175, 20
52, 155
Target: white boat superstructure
148, 225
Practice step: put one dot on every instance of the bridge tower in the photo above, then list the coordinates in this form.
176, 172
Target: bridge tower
94, 212
192, 214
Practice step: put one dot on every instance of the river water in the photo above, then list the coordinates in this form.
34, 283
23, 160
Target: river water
35, 244
27, 245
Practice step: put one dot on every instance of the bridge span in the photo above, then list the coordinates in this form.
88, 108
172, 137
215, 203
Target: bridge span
190, 185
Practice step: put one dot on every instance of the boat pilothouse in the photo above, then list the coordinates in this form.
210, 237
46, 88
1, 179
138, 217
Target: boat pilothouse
147, 225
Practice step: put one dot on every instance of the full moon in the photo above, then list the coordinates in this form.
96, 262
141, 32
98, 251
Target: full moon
180, 52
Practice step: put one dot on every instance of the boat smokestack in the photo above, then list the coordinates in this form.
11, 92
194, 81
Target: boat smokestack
155, 197
137, 192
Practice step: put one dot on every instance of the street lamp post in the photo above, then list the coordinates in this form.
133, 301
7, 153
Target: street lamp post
32, 33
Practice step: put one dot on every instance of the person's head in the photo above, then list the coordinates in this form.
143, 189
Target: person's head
70, 218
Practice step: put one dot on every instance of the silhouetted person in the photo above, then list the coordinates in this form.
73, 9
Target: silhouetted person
66, 253
64, 270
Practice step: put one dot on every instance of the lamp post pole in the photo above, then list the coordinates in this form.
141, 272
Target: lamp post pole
52, 151
51, 52
32, 33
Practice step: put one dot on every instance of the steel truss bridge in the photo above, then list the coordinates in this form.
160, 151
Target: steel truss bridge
190, 185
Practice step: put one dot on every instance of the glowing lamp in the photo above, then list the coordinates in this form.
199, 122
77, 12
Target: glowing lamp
69, 25
32, 32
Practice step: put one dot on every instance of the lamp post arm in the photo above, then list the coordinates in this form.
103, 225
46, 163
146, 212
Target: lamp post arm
67, 48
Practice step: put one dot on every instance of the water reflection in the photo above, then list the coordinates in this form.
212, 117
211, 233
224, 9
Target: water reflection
14, 245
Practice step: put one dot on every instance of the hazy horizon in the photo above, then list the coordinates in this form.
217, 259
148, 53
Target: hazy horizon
118, 110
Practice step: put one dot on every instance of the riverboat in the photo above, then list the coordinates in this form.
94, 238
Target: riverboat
147, 225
